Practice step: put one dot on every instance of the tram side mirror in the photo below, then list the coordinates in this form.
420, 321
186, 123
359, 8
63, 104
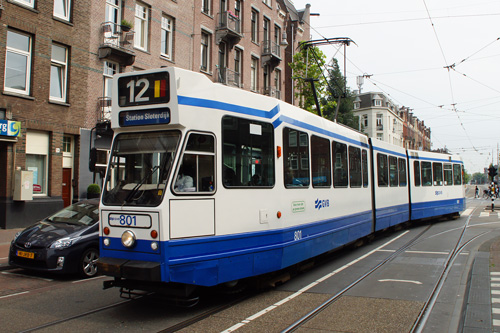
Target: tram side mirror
92, 159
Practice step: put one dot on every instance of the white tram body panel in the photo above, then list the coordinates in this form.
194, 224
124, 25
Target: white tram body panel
209, 184
436, 184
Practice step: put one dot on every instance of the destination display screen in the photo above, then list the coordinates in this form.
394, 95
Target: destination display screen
144, 89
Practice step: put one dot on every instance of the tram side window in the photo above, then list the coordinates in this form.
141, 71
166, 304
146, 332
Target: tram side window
402, 171
296, 158
437, 170
416, 170
340, 173
448, 174
320, 162
248, 154
382, 170
197, 169
426, 174
364, 162
393, 171
457, 174
355, 166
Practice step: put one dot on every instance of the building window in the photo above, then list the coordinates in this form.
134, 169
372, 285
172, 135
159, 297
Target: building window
267, 30
29, 3
205, 51
167, 37
113, 13
205, 6
253, 74
237, 10
267, 2
37, 151
18, 63
58, 73
110, 69
365, 120
277, 83
62, 9
255, 26
66, 144
141, 27
357, 105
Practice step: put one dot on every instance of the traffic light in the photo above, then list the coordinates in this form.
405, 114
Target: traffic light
492, 172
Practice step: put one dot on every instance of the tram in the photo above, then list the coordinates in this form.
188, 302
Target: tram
209, 185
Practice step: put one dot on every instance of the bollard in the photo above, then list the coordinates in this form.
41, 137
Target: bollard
492, 203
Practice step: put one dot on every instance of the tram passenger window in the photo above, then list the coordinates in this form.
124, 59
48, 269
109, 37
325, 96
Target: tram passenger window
340, 171
364, 163
426, 174
393, 171
448, 174
296, 158
197, 169
437, 170
248, 153
416, 170
382, 170
320, 162
402, 171
355, 166
457, 174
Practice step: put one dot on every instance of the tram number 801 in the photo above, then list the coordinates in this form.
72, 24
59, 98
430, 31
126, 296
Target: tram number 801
297, 235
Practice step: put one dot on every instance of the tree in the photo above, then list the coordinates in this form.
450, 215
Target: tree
305, 66
310, 64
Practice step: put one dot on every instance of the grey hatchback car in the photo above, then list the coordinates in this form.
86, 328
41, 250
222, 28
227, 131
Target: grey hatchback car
65, 242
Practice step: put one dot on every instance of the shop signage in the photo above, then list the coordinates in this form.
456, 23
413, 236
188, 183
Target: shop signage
10, 128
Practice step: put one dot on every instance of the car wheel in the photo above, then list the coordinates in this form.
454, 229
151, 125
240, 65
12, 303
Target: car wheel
88, 263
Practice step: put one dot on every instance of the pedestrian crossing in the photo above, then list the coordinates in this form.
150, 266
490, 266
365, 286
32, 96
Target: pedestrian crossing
495, 300
484, 213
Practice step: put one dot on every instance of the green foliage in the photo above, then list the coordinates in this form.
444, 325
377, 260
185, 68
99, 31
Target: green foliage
304, 65
125, 23
93, 189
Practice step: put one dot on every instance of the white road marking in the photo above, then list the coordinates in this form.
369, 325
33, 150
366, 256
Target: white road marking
301, 291
28, 276
467, 211
404, 281
16, 294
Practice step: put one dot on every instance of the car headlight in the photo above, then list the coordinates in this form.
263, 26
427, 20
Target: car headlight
64, 243
16, 235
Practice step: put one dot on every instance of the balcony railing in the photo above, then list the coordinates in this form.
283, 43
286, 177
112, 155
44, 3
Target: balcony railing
271, 53
228, 27
117, 43
228, 77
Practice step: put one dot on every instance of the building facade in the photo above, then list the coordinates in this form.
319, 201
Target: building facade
380, 118
60, 56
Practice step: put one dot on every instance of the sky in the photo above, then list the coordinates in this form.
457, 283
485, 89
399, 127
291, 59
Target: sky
440, 58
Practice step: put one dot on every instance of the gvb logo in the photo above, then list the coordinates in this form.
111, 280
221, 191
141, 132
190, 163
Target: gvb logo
318, 204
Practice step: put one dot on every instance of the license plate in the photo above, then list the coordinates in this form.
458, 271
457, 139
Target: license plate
29, 255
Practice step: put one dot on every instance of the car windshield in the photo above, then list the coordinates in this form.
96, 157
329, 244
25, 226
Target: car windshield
83, 213
139, 167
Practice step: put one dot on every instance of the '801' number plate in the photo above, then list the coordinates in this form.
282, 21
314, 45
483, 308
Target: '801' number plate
129, 220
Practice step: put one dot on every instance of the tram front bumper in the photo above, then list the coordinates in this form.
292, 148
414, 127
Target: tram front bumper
129, 269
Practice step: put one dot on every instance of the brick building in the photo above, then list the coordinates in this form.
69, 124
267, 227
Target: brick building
60, 56
43, 48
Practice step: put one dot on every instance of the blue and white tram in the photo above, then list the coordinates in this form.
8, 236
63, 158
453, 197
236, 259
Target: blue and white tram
208, 184
436, 184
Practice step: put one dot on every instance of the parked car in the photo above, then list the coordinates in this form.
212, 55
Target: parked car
65, 242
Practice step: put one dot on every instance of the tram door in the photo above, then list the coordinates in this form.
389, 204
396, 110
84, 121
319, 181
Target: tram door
192, 212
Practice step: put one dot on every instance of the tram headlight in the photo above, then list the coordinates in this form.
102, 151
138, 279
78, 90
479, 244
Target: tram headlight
128, 239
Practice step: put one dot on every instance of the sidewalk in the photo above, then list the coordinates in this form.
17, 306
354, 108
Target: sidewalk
6, 236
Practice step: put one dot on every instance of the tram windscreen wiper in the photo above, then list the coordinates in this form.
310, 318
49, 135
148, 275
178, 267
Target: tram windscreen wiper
139, 184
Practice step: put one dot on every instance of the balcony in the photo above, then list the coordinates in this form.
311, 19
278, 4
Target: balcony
271, 53
228, 77
117, 44
273, 92
104, 109
228, 28
380, 127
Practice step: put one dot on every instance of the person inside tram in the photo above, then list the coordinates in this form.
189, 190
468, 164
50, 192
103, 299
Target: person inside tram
184, 181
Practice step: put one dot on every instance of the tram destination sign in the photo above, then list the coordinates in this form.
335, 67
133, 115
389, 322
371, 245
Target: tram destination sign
144, 89
145, 117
